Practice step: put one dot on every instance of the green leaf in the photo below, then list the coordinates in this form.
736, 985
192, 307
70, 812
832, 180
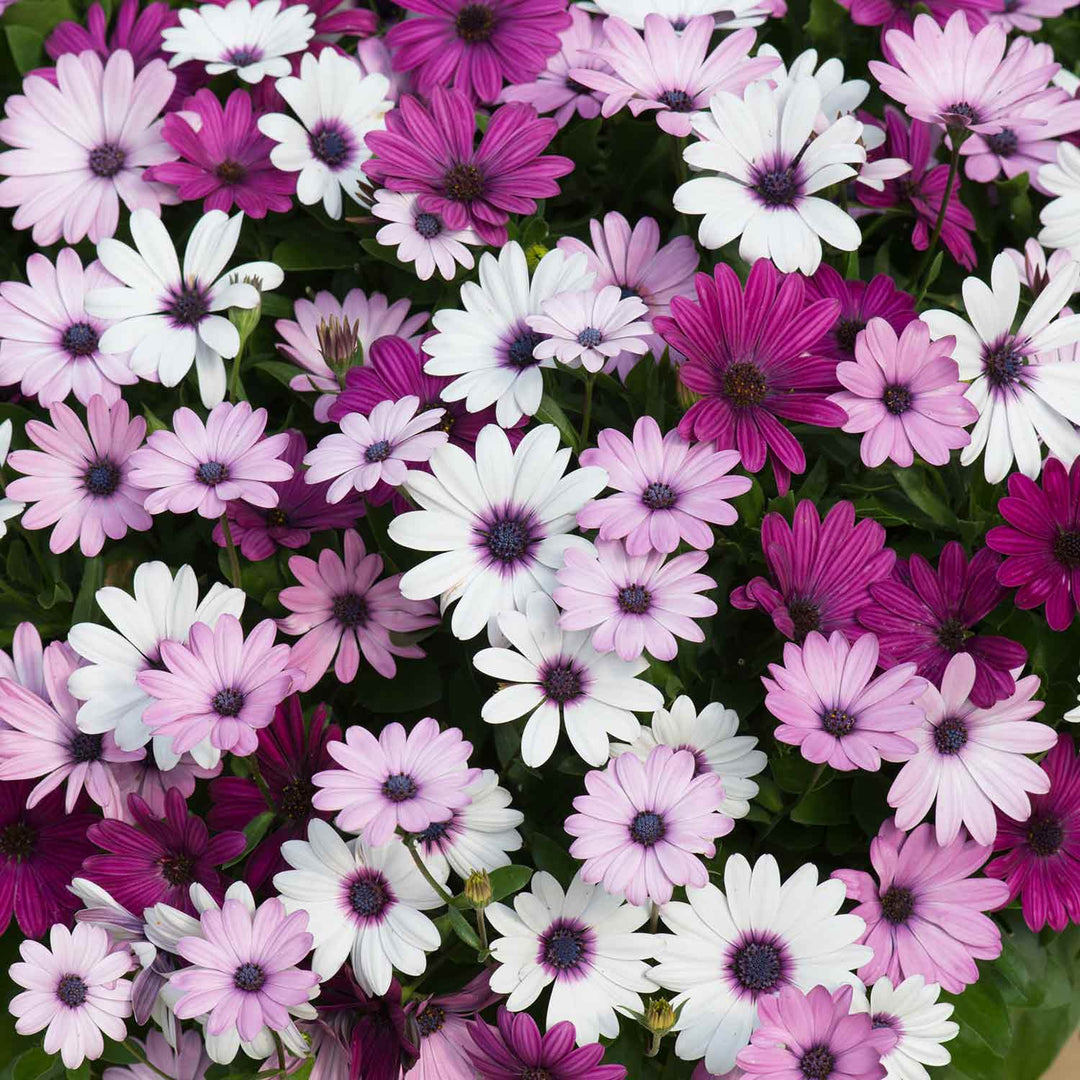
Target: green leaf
552, 857
18, 565
279, 370
35, 1064
826, 21
915, 485
92, 580
81, 1073
550, 412
27, 47
57, 593
981, 1009
463, 928
826, 807
254, 831
117, 1054
153, 421
509, 879
325, 251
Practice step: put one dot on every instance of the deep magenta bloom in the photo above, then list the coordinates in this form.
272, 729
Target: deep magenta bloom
752, 357
926, 616
430, 150
156, 860
1042, 860
820, 571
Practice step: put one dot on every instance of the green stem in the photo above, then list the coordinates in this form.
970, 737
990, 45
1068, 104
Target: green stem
654, 1045
586, 412
410, 843
927, 259
879, 222
654, 918
234, 559
135, 1052
481, 928
234, 377
280, 1052
260, 783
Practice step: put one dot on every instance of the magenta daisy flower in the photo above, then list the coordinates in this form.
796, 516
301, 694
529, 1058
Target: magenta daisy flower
202, 467
643, 824
1041, 542
224, 159
442, 1022
220, 685
1041, 864
341, 610
81, 481
430, 150
830, 705
397, 780
637, 603
589, 327
927, 616
243, 972
820, 572
668, 491
924, 914
752, 358
476, 45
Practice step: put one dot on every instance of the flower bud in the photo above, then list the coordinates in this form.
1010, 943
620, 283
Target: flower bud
659, 1016
533, 254
246, 319
339, 343
478, 889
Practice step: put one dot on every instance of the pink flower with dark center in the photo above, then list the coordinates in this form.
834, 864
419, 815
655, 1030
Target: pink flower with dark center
589, 327
442, 1022
897, 14
1028, 15
152, 784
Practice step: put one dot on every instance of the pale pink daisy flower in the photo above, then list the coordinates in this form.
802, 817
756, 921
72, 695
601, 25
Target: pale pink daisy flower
668, 491
220, 685
76, 989
643, 824
342, 611
830, 705
396, 780
203, 467
187, 1061
971, 760
375, 448
924, 914
26, 664
81, 147
150, 782
421, 237
905, 393
244, 972
1028, 15
1036, 268
81, 481
636, 603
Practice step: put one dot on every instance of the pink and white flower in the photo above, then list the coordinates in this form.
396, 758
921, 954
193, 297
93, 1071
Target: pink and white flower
421, 237
589, 328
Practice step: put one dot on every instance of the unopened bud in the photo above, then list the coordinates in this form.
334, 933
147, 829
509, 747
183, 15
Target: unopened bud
533, 254
478, 889
659, 1016
246, 319
339, 343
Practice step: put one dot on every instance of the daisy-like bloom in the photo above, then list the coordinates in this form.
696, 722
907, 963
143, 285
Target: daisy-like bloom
489, 346
753, 357
167, 317
476, 45
75, 988
905, 395
501, 524
924, 914
589, 328
830, 705
1061, 179
637, 603
442, 1022
971, 760
729, 951
837, 95
897, 14
820, 572
927, 616
368, 317
671, 72
342, 610
188, 1061
333, 22
48, 344
224, 160
254, 40
642, 825
668, 490
81, 147
337, 105
582, 943
244, 970
727, 14
225, 700
362, 901
1035, 267
152, 783
396, 780
770, 162
420, 236
203, 467
515, 1047
429, 149
1023, 390
1028, 15
9, 508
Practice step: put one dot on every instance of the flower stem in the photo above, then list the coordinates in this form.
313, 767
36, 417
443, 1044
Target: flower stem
280, 1052
410, 843
586, 412
481, 928
135, 1052
786, 812
654, 1045
654, 919
234, 559
234, 376
927, 259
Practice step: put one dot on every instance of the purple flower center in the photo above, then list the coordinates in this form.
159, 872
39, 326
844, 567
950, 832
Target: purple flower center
776, 187
577, 88
17, 841
847, 330
508, 540
896, 399
565, 947
1067, 549
744, 385
1004, 143
805, 616
520, 351
106, 160
230, 172
435, 832
72, 991
102, 478
475, 22
431, 1020
427, 225
838, 723
1003, 363
189, 306
701, 763
227, 702
249, 977
884, 1020
330, 147
1045, 836
951, 635
659, 496
590, 337
80, 339
350, 609
86, 748
677, 100
463, 183
633, 599
399, 788
647, 828
294, 800
276, 518
959, 114
535, 1074
377, 451
817, 1063
211, 473
178, 869
369, 895
561, 683
247, 54
758, 966
950, 736
897, 905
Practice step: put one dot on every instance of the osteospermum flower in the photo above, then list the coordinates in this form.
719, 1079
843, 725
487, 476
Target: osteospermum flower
1035, 267
81, 147
187, 1061
1062, 180
81, 480
152, 783
589, 328
203, 467
924, 915
442, 1023
342, 611
396, 780
727, 14
918, 1021
971, 760
637, 603
166, 316
420, 236
751, 358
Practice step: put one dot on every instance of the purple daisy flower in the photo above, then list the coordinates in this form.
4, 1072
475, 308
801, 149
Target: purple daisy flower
751, 356
442, 1022
927, 616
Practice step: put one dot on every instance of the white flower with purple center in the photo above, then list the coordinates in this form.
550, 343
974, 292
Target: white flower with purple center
838, 97
9, 508
729, 14
421, 237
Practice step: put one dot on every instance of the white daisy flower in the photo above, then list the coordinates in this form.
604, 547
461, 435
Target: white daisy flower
489, 345
730, 14
165, 316
501, 523
728, 948
1073, 715
337, 105
9, 508
1023, 391
583, 944
254, 40
838, 97
1061, 215
769, 162
422, 237
163, 608
557, 677
711, 736
361, 901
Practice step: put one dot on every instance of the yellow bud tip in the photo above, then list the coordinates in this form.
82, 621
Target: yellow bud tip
478, 888
659, 1016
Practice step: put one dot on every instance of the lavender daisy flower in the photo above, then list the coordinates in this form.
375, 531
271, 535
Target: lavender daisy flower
727, 14
443, 1025
590, 327
187, 1061
152, 783
421, 237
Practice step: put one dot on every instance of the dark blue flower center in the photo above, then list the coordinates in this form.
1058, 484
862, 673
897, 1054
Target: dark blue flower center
369, 896
897, 904
590, 337
659, 496
377, 451
896, 399
350, 609
817, 1063
431, 1020
758, 967
17, 841
189, 306
960, 114
950, 736
294, 800
243, 56
475, 23
435, 832
837, 722
1003, 363
677, 100
508, 540
520, 350
178, 869
561, 683
228, 702
1045, 836
805, 616
1004, 143
1067, 549
230, 172
777, 187
329, 146
86, 748
106, 160
399, 788
647, 828
72, 991
847, 330
102, 478
633, 599
249, 977
211, 473
744, 385
80, 339
427, 225
951, 635
564, 947
463, 183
